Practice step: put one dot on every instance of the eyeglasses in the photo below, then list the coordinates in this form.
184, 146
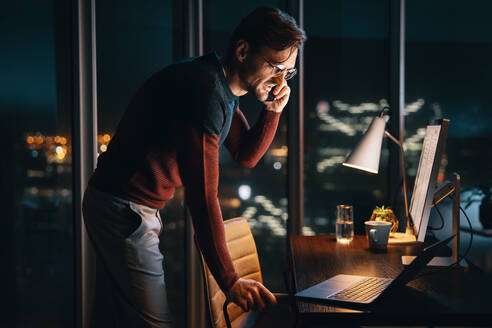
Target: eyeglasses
281, 69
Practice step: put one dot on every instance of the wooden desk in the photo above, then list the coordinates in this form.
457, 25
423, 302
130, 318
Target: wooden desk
451, 297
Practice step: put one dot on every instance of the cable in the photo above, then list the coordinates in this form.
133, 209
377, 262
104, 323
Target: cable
460, 258
471, 234
442, 219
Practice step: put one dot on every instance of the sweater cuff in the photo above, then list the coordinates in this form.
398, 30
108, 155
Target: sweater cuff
228, 282
271, 115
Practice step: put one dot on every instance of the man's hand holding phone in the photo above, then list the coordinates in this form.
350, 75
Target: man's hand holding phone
280, 94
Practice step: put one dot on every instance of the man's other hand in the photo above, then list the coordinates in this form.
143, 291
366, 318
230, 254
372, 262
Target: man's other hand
250, 295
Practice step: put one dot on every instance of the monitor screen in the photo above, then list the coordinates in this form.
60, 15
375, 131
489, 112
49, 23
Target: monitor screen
426, 178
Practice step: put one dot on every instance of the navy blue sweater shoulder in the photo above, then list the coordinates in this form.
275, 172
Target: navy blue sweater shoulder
194, 91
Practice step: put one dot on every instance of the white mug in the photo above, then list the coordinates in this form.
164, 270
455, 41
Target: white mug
377, 233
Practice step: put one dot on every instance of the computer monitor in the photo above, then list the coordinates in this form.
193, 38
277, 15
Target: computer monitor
426, 178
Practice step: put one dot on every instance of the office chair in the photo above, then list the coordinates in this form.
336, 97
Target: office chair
244, 255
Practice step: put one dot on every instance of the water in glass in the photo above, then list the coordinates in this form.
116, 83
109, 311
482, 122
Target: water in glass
345, 231
344, 223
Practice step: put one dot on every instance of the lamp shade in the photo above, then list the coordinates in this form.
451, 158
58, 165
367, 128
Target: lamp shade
366, 155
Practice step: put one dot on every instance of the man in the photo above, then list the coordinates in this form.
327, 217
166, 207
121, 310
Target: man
169, 136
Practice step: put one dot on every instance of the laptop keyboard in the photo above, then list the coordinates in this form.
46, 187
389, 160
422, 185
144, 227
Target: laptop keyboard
363, 291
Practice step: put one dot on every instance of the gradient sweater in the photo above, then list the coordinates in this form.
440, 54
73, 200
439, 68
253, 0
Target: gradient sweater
170, 135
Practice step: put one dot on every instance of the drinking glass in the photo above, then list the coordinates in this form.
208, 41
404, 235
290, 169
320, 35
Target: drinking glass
345, 223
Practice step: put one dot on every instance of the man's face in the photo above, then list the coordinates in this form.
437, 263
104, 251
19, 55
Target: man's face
258, 75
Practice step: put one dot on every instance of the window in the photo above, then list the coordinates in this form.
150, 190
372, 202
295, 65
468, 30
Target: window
448, 74
346, 84
36, 167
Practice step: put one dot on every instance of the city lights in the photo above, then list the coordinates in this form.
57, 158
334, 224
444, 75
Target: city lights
56, 149
273, 220
103, 142
414, 107
279, 152
322, 107
244, 192
329, 162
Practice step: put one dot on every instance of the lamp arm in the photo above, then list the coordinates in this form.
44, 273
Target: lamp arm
404, 178
398, 143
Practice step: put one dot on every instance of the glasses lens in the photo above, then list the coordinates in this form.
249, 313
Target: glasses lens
290, 74
277, 71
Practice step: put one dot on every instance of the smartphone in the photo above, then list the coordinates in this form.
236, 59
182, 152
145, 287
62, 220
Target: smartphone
271, 96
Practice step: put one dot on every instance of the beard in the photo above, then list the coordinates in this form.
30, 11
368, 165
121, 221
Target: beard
252, 83
259, 88
260, 93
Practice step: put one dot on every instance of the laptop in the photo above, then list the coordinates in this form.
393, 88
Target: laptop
361, 290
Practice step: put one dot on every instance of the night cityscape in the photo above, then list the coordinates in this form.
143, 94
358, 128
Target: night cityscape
346, 86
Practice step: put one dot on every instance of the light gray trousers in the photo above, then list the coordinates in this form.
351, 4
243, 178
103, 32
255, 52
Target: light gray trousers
130, 287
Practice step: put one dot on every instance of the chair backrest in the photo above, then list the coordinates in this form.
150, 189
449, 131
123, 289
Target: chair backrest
244, 255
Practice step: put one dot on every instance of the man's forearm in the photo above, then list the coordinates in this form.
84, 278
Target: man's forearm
248, 145
198, 159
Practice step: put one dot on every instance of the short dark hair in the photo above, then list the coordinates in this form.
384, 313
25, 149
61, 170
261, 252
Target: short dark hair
269, 27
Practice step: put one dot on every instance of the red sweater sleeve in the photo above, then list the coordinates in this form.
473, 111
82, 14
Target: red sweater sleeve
198, 162
247, 145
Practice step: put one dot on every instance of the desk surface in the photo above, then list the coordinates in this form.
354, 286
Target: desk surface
454, 295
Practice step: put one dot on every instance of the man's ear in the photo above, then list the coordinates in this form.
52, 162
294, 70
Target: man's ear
242, 49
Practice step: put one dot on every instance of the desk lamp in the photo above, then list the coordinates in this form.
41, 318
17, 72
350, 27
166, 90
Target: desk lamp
365, 157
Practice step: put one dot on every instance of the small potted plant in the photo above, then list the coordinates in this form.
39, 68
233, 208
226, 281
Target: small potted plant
385, 214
